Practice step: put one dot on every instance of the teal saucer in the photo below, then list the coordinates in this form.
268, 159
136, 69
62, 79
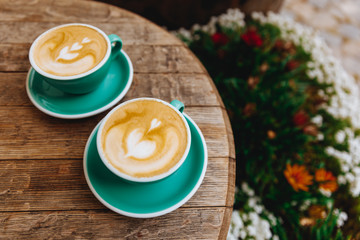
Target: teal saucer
146, 200
56, 103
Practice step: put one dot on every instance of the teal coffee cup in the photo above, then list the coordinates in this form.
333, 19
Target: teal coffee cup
144, 139
74, 58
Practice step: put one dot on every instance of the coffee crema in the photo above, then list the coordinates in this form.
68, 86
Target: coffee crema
144, 138
70, 50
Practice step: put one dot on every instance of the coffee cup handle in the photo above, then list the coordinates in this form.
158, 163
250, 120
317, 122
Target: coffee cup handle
116, 45
178, 105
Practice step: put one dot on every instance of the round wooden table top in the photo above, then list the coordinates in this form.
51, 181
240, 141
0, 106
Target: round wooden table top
43, 191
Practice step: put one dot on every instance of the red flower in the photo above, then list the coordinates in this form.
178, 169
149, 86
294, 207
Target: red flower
249, 109
292, 64
219, 39
279, 44
300, 118
252, 38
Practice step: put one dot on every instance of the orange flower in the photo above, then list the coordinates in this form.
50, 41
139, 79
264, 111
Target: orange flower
298, 177
326, 179
317, 211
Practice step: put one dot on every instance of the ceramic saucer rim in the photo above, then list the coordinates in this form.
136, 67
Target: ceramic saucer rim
157, 213
90, 113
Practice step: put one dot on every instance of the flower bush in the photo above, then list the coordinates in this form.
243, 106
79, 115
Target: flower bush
294, 114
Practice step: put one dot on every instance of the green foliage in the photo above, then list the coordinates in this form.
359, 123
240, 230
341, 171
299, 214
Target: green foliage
326, 229
263, 83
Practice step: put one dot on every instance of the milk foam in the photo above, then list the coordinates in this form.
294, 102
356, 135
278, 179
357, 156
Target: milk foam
138, 148
70, 50
144, 138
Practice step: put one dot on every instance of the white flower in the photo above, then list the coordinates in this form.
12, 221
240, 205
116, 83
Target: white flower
325, 192
251, 224
254, 218
243, 234
320, 137
355, 186
258, 209
330, 150
272, 219
356, 170
349, 177
235, 226
329, 205
231, 237
195, 27
185, 33
209, 29
342, 217
305, 205
341, 180
252, 202
317, 120
345, 167
251, 230
232, 18
266, 229
236, 219
258, 16
340, 136
349, 162
247, 189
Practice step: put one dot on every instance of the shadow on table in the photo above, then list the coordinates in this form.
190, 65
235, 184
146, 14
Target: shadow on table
174, 14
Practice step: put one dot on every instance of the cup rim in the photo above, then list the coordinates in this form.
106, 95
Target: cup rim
142, 179
77, 76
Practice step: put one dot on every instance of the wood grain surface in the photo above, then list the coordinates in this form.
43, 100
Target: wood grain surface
62, 186
43, 192
184, 223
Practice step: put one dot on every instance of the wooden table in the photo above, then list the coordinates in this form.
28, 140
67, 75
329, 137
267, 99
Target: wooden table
43, 192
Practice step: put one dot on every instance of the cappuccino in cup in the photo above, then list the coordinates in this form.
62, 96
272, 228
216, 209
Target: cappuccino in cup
74, 57
69, 50
144, 139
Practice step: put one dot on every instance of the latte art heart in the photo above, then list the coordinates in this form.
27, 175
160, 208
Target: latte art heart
138, 147
144, 138
67, 54
70, 50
